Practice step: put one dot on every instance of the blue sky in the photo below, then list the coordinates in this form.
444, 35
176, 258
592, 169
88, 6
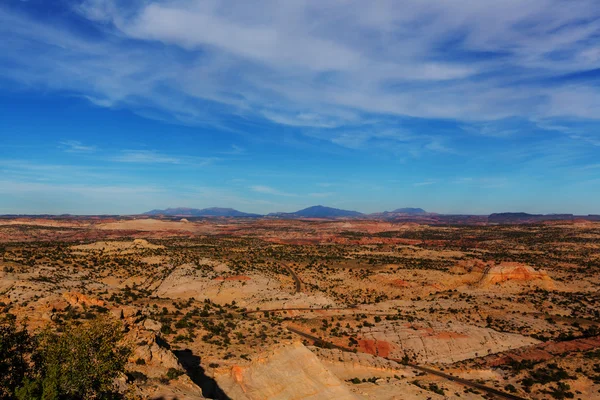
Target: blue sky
460, 106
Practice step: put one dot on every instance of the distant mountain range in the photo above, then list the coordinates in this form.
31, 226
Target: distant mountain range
205, 212
510, 217
407, 214
402, 212
310, 212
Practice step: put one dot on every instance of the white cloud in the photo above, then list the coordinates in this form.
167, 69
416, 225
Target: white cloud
153, 157
75, 146
194, 26
145, 157
373, 137
271, 191
323, 65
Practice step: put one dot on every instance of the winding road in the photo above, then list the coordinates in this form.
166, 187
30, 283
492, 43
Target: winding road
490, 390
297, 280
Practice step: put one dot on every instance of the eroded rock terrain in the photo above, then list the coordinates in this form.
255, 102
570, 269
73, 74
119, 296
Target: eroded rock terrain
320, 309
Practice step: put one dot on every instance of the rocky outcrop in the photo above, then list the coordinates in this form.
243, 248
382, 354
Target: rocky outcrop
150, 355
435, 342
213, 281
485, 275
515, 272
543, 351
79, 299
346, 365
152, 325
126, 312
284, 372
156, 356
181, 388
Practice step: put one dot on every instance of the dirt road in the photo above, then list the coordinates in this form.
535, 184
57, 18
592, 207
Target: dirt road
493, 391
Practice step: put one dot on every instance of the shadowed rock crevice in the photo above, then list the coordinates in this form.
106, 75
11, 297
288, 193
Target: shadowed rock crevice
191, 364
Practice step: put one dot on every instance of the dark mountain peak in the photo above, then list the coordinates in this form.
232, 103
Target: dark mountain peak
318, 212
325, 212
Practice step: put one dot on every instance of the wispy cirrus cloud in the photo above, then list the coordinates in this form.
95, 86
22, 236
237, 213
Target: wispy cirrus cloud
145, 157
271, 191
289, 64
75, 146
378, 136
154, 157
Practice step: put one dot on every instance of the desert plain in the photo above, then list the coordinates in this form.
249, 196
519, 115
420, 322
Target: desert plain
321, 309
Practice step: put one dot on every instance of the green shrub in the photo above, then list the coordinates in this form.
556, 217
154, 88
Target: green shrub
81, 362
137, 376
173, 373
15, 346
510, 388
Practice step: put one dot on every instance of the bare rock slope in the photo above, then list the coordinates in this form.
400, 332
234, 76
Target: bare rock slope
435, 342
285, 372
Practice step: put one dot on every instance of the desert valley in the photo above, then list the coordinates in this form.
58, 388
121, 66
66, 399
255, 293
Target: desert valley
313, 308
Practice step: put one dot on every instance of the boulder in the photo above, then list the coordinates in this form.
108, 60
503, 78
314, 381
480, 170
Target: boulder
152, 325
